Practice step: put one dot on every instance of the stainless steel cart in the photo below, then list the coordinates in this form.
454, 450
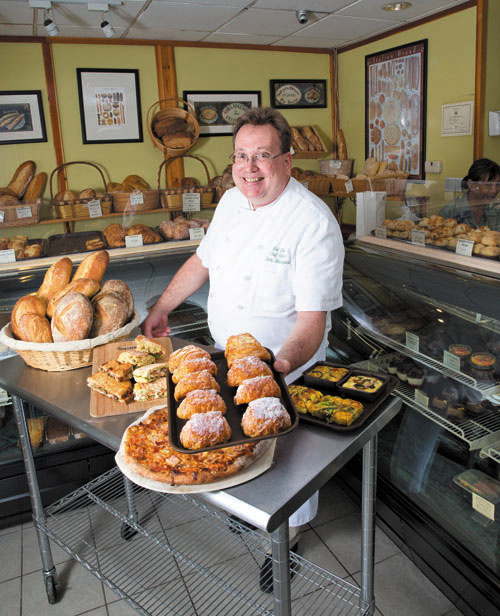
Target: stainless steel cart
143, 536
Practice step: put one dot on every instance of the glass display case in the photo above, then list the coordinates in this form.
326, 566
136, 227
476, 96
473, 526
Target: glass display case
436, 326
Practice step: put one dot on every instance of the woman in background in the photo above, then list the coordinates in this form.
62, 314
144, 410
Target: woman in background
478, 205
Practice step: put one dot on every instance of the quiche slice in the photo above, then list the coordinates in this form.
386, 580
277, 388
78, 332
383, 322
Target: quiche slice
304, 398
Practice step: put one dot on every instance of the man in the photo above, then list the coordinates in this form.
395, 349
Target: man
274, 257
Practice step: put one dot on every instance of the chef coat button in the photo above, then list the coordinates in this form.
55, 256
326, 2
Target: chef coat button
240, 307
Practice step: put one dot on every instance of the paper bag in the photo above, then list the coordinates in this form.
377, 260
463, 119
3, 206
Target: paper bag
370, 211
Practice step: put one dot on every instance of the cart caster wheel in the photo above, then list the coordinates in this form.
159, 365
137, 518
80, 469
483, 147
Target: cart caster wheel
51, 589
127, 532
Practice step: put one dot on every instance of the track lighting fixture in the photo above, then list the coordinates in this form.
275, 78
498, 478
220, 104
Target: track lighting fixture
49, 24
106, 26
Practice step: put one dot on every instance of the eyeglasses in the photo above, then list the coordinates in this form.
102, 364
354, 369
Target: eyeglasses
263, 158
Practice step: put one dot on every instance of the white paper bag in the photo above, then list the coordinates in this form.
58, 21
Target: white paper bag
370, 211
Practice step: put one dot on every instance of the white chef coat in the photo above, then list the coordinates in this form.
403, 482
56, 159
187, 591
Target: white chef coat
267, 264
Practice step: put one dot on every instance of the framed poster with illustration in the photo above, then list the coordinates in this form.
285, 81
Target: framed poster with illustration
217, 111
110, 105
298, 93
395, 107
21, 117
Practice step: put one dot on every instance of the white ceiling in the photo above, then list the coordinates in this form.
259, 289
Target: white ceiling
332, 23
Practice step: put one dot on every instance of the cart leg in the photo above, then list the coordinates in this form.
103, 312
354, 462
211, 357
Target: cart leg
368, 523
281, 570
126, 531
49, 571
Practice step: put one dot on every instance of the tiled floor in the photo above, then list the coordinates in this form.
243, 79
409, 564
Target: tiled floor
332, 541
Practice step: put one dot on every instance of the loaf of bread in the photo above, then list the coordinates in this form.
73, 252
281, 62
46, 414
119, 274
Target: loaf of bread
87, 193
311, 136
115, 235
93, 266
86, 286
56, 278
134, 182
148, 235
36, 187
65, 195
21, 178
25, 304
72, 318
110, 313
32, 251
33, 327
6, 191
114, 187
302, 144
123, 290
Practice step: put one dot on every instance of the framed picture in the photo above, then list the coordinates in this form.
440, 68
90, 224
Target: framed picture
298, 93
110, 105
218, 111
21, 117
395, 107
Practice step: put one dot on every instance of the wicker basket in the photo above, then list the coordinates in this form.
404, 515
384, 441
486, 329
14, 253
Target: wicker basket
318, 185
11, 214
160, 110
172, 198
62, 356
122, 201
78, 208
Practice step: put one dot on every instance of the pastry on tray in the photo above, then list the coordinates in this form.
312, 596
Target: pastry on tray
178, 356
205, 430
265, 416
257, 387
193, 364
246, 368
196, 380
200, 401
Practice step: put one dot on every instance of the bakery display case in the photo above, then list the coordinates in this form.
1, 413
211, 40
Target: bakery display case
435, 326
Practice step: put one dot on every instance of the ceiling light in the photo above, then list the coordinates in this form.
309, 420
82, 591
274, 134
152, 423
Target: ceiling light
106, 26
49, 24
397, 6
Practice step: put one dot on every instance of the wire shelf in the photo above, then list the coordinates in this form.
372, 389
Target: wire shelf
183, 559
480, 432
491, 452
187, 317
485, 389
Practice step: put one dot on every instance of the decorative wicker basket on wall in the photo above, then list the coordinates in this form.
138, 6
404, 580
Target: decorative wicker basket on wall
78, 208
172, 198
161, 113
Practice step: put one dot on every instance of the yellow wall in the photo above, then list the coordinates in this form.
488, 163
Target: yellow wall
450, 79
492, 90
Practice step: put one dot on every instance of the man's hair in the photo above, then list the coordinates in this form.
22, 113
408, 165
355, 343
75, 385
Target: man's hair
482, 170
260, 116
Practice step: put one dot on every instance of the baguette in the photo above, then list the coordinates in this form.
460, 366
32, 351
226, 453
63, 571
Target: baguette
21, 178
25, 304
72, 318
6, 191
33, 327
85, 286
93, 266
301, 142
56, 278
311, 136
36, 187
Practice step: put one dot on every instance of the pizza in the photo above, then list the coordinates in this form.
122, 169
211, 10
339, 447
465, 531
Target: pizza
147, 452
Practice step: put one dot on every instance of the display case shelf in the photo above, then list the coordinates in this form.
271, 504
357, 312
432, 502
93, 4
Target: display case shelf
479, 433
182, 556
492, 452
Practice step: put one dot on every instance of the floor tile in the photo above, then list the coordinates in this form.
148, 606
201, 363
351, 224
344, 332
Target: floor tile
13, 528
120, 608
343, 537
100, 611
314, 549
401, 588
10, 567
453, 612
31, 552
10, 592
333, 503
79, 592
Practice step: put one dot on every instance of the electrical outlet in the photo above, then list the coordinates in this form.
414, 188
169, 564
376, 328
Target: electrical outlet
433, 166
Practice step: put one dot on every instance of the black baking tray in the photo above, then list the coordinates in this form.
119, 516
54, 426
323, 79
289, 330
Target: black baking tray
364, 395
369, 407
314, 381
234, 412
70, 243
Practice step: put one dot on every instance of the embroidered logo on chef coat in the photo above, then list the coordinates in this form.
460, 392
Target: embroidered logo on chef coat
279, 255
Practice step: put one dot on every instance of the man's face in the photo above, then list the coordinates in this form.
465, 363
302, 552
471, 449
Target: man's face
261, 182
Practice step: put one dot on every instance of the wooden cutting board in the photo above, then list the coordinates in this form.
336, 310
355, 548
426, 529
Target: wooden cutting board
102, 406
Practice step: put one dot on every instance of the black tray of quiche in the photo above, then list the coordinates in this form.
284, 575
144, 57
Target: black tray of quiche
234, 412
344, 404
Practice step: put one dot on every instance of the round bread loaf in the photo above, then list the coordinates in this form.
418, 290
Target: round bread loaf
86, 286
93, 266
65, 195
28, 303
109, 313
34, 327
55, 279
87, 193
123, 290
72, 318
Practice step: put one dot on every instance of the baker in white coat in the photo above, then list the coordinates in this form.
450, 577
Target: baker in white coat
274, 257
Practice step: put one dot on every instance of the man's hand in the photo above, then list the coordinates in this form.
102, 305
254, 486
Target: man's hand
283, 366
156, 324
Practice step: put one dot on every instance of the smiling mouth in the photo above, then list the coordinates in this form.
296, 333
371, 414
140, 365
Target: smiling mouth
252, 180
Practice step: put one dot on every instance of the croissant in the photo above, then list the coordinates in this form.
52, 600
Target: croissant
204, 430
245, 350
238, 340
200, 401
258, 387
265, 416
246, 368
193, 364
176, 357
196, 380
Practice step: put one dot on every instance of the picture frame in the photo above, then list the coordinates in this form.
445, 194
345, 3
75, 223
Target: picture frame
218, 110
21, 117
395, 107
298, 93
110, 105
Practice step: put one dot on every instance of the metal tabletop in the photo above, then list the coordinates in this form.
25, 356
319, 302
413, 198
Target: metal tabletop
304, 460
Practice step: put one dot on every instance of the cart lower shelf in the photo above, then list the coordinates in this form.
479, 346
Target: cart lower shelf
181, 556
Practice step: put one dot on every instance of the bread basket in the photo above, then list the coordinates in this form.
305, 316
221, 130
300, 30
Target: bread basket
163, 111
172, 198
125, 202
61, 356
11, 214
78, 208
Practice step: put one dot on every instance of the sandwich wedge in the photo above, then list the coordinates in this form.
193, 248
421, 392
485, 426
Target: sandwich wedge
152, 390
146, 374
104, 384
146, 345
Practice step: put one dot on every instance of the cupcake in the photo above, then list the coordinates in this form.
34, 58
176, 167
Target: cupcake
403, 369
415, 376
